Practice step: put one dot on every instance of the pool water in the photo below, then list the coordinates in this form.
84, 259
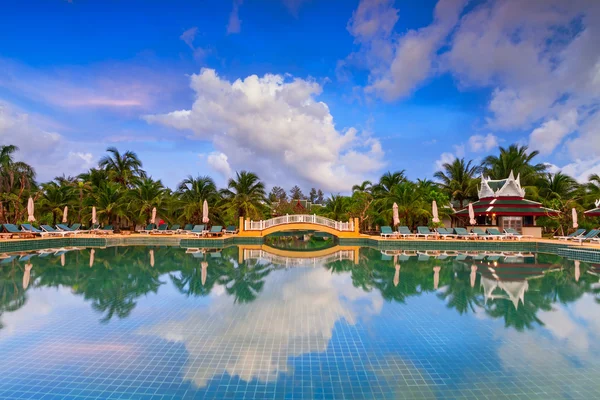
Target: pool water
171, 323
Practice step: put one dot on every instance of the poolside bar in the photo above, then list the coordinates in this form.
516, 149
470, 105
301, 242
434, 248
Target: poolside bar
502, 205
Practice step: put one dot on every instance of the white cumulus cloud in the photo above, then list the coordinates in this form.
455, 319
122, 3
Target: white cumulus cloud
275, 126
50, 153
478, 143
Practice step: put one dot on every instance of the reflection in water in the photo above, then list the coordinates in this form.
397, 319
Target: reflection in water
264, 315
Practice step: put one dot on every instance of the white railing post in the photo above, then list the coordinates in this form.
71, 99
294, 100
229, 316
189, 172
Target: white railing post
287, 218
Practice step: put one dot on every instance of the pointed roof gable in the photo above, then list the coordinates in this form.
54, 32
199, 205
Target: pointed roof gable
509, 187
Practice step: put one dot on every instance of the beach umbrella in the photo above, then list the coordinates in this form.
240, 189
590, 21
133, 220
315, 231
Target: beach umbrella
62, 260
153, 219
434, 211
436, 277
27, 275
397, 275
395, 212
575, 224
205, 212
472, 219
94, 215
473, 275
151, 257
577, 271
92, 253
30, 207
65, 213
204, 266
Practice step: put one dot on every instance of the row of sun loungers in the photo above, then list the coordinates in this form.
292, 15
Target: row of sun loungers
61, 230
189, 229
451, 233
580, 235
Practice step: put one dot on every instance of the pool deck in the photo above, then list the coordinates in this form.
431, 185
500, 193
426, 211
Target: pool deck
173, 239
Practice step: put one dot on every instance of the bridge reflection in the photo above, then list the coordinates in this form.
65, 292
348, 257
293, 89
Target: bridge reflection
294, 258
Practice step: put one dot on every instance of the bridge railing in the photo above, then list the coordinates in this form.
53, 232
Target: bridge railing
291, 261
299, 218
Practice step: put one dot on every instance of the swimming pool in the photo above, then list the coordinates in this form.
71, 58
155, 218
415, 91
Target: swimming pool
170, 323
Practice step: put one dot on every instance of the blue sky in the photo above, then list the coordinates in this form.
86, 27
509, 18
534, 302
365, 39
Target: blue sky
315, 93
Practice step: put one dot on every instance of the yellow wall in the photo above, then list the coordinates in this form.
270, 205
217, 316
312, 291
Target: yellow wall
300, 226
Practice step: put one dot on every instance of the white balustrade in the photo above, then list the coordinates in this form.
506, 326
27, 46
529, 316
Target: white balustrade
291, 261
298, 218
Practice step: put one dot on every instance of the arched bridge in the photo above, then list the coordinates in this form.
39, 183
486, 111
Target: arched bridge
299, 222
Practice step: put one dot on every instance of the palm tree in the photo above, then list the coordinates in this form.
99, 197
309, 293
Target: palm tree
593, 188
388, 181
192, 192
365, 187
245, 195
54, 199
336, 208
122, 168
146, 195
111, 202
16, 177
458, 180
517, 159
556, 186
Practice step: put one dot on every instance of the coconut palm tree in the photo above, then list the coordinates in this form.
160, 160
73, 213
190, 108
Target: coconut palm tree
336, 208
556, 186
245, 195
16, 179
111, 202
122, 168
593, 188
192, 192
458, 180
146, 195
54, 199
387, 182
517, 159
365, 187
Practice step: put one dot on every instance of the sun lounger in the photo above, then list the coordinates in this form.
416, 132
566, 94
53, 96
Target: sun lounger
148, 229
425, 232
13, 230
30, 228
463, 233
50, 231
162, 229
480, 233
231, 229
496, 234
577, 233
589, 236
510, 232
174, 229
446, 233
65, 228
187, 228
216, 230
386, 232
198, 230
404, 232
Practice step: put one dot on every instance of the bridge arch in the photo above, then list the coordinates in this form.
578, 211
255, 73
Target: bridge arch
299, 222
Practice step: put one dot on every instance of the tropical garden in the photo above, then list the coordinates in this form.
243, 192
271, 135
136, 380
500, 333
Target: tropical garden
125, 195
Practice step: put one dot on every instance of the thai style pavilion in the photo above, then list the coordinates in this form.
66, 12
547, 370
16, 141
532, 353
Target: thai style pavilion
593, 212
502, 205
